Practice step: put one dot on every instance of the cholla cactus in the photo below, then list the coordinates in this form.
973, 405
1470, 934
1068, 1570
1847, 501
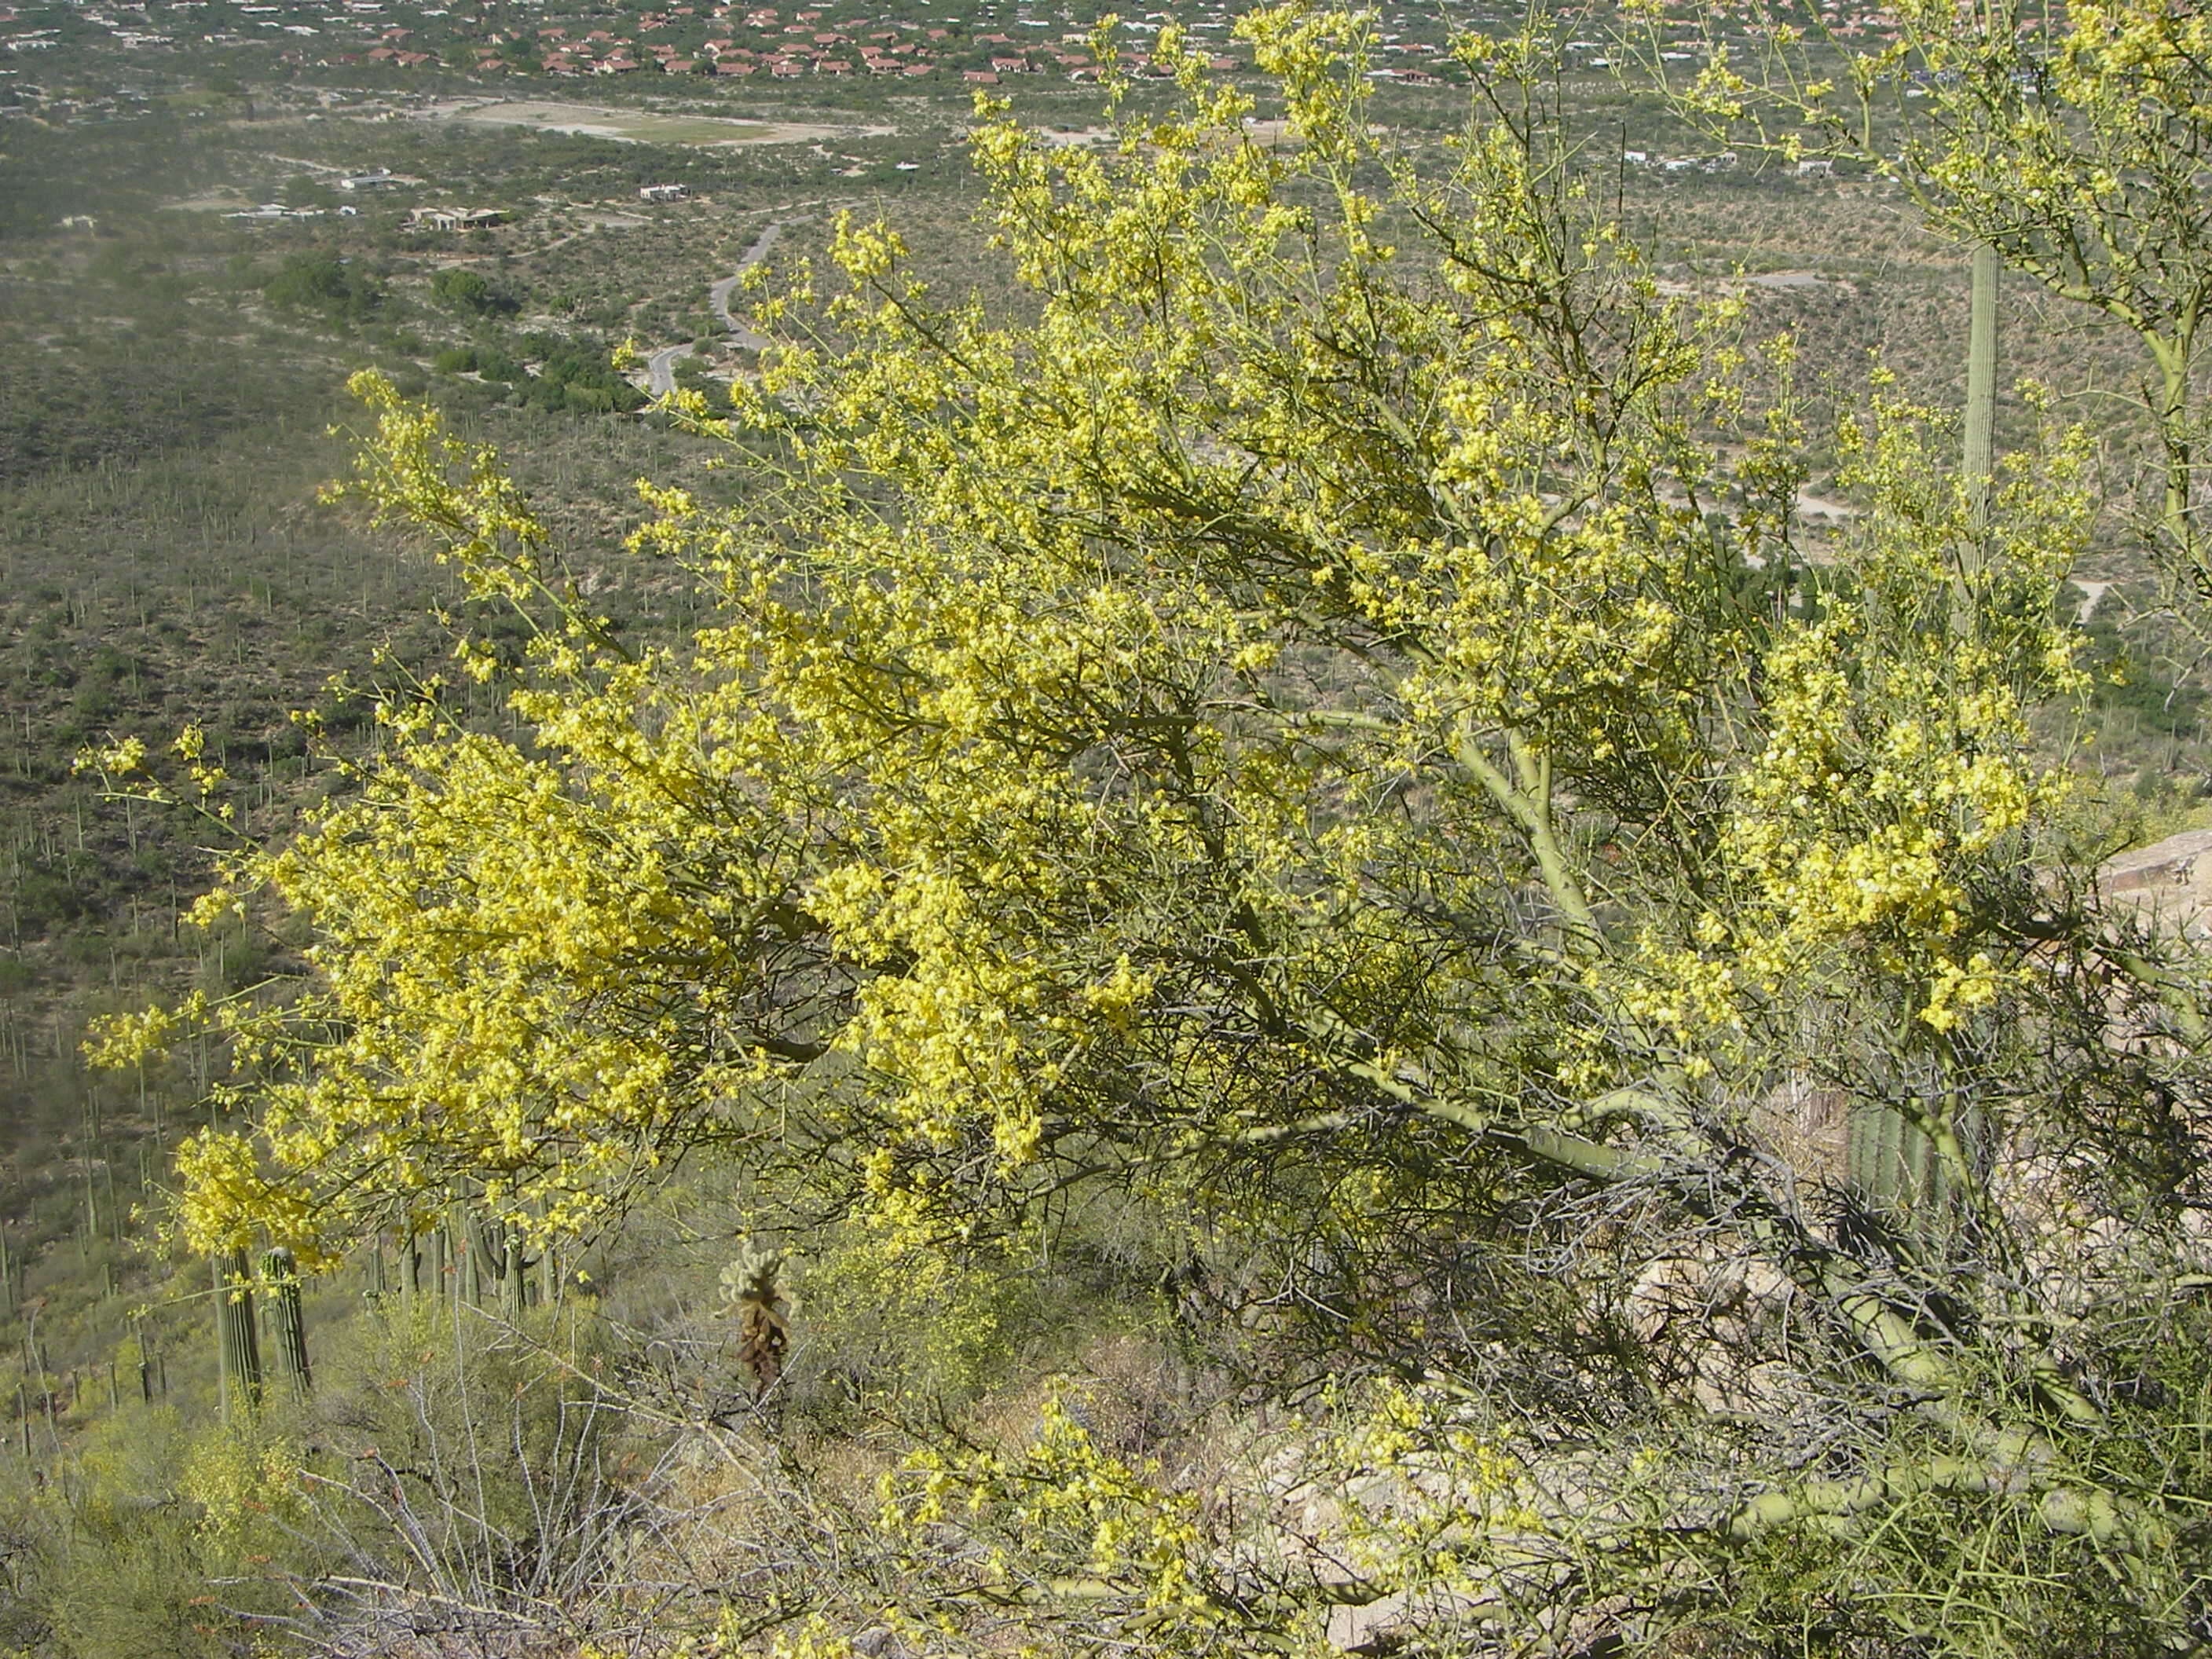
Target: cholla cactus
751, 1293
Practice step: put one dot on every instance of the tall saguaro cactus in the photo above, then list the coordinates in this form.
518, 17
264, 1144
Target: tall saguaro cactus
288, 1321
238, 1344
1980, 458
497, 1247
1893, 1165
489, 1257
1891, 1162
513, 1283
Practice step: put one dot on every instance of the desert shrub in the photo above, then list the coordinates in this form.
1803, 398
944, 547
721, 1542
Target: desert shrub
468, 1458
885, 1322
472, 294
152, 1542
341, 289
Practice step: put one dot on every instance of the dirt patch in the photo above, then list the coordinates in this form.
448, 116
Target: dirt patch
631, 126
1818, 509
2169, 883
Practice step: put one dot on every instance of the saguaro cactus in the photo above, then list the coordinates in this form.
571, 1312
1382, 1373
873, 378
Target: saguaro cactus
492, 1274
1891, 1162
465, 1243
238, 1344
1980, 457
509, 1255
287, 1321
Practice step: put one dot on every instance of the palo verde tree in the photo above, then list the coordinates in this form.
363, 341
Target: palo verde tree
1309, 726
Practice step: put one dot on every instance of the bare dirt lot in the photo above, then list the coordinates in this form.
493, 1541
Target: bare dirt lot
631, 125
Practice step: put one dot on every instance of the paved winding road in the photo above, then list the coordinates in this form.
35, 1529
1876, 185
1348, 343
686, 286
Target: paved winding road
660, 366
719, 295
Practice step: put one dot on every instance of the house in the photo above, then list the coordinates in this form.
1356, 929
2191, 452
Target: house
454, 218
660, 193
375, 180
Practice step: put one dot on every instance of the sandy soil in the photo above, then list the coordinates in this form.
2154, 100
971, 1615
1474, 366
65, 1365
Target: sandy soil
630, 125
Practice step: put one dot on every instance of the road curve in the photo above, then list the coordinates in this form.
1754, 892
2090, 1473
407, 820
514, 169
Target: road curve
660, 366
719, 295
660, 370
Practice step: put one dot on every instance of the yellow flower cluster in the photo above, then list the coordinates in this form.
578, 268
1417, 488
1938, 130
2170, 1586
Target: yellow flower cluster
1898, 771
1062, 1514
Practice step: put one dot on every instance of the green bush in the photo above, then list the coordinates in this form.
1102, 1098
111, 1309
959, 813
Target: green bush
494, 363
884, 1324
340, 289
126, 1549
471, 293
